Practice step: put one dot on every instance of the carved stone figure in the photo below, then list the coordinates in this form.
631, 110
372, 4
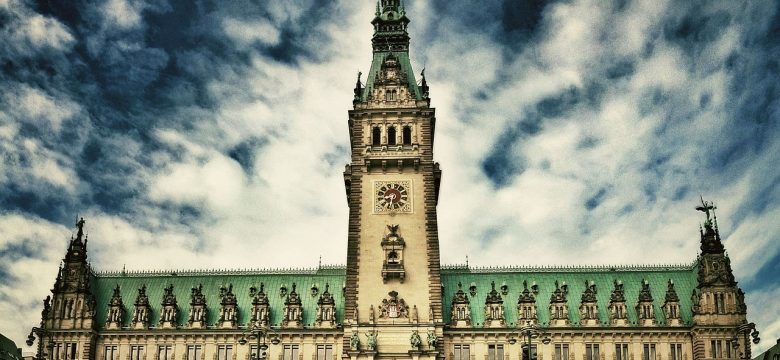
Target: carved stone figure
371, 340
354, 341
432, 339
415, 340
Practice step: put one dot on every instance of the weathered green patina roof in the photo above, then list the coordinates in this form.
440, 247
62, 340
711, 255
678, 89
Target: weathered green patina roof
8, 349
684, 278
183, 282
406, 67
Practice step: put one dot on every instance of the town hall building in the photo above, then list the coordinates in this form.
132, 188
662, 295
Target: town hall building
394, 300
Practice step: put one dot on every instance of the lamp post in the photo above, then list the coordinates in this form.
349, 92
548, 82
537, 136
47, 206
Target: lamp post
40, 332
259, 334
529, 332
746, 331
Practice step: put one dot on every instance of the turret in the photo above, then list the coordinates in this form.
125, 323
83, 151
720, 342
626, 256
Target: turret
718, 304
72, 302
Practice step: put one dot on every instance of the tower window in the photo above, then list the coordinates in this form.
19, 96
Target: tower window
391, 135
407, 135
376, 136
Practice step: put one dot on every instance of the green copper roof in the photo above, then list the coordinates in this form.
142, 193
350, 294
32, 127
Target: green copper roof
684, 278
406, 67
183, 282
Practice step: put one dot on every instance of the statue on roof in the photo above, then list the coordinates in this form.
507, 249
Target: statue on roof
707, 207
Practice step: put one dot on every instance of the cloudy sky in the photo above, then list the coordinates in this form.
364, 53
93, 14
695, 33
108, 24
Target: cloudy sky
213, 134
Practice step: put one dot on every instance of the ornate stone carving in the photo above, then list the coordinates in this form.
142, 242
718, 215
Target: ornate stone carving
432, 339
526, 306
326, 309
494, 308
460, 311
169, 310
228, 311
260, 311
354, 342
393, 307
589, 312
415, 340
198, 308
393, 246
672, 306
293, 311
644, 307
371, 340
142, 310
116, 311
559, 309
618, 315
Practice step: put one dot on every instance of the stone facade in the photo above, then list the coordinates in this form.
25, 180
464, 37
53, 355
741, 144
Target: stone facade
394, 300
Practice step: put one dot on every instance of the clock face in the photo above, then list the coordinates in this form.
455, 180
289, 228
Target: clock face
392, 196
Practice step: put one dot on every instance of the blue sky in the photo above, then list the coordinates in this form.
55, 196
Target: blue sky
214, 134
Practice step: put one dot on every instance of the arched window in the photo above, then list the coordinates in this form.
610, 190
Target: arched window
376, 136
391, 135
407, 132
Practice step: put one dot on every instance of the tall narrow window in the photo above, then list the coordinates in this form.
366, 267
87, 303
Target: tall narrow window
324, 352
225, 352
110, 352
290, 352
461, 352
137, 352
391, 135
621, 351
592, 352
676, 352
495, 352
561, 351
194, 352
649, 352
70, 351
717, 350
376, 136
164, 352
407, 135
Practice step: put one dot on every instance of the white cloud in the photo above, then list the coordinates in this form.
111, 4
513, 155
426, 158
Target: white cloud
245, 33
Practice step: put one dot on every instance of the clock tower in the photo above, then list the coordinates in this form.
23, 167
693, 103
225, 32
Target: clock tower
393, 298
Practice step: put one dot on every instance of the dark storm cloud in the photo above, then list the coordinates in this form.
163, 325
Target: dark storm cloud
130, 80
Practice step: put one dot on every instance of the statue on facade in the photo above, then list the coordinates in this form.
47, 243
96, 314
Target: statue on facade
415, 340
354, 342
432, 339
371, 340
